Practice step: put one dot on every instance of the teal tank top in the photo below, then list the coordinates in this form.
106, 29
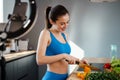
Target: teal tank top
56, 47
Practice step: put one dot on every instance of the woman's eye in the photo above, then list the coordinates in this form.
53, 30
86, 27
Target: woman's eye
62, 24
68, 22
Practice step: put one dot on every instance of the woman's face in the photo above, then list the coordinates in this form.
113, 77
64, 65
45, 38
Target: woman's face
62, 23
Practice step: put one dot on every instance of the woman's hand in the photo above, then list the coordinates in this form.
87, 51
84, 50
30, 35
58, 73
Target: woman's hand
70, 59
83, 61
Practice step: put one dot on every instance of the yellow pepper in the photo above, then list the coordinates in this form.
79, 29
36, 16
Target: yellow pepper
82, 75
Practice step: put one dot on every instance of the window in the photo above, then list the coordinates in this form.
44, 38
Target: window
1, 11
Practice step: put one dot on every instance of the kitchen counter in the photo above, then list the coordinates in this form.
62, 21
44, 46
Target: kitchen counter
17, 55
73, 75
19, 66
97, 60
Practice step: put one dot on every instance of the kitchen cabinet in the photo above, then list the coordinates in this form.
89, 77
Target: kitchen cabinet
0, 71
23, 68
9, 71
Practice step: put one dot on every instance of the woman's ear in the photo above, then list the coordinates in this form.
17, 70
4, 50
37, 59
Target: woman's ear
52, 22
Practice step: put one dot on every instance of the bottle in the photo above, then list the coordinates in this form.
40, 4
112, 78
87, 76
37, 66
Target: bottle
113, 51
13, 45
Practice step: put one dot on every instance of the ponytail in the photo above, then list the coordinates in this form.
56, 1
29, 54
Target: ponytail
48, 24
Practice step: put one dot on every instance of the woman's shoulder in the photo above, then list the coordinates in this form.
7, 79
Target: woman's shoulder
45, 32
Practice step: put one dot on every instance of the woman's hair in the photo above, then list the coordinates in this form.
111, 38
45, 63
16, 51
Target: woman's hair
54, 13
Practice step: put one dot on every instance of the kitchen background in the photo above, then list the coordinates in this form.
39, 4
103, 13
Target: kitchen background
94, 27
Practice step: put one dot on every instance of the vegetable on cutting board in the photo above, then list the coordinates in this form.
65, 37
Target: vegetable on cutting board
111, 71
82, 75
115, 64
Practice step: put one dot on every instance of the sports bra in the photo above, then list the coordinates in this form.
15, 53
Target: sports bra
57, 47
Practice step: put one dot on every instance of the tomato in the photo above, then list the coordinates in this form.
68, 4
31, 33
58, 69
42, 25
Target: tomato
107, 66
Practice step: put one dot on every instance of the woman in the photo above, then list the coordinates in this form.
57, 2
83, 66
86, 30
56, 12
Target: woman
53, 48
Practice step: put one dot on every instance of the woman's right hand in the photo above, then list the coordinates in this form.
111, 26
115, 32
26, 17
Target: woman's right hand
70, 59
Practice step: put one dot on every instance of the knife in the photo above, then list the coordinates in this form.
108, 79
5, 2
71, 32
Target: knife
82, 65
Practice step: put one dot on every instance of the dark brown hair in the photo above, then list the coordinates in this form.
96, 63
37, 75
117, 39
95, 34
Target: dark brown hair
54, 13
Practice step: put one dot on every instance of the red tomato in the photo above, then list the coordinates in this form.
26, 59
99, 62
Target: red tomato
107, 66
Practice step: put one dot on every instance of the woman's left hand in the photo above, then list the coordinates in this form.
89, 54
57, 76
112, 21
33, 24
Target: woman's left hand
83, 61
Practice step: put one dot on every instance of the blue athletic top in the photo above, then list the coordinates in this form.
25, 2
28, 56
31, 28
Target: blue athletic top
56, 47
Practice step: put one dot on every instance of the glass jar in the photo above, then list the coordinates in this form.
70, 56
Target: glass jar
113, 51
